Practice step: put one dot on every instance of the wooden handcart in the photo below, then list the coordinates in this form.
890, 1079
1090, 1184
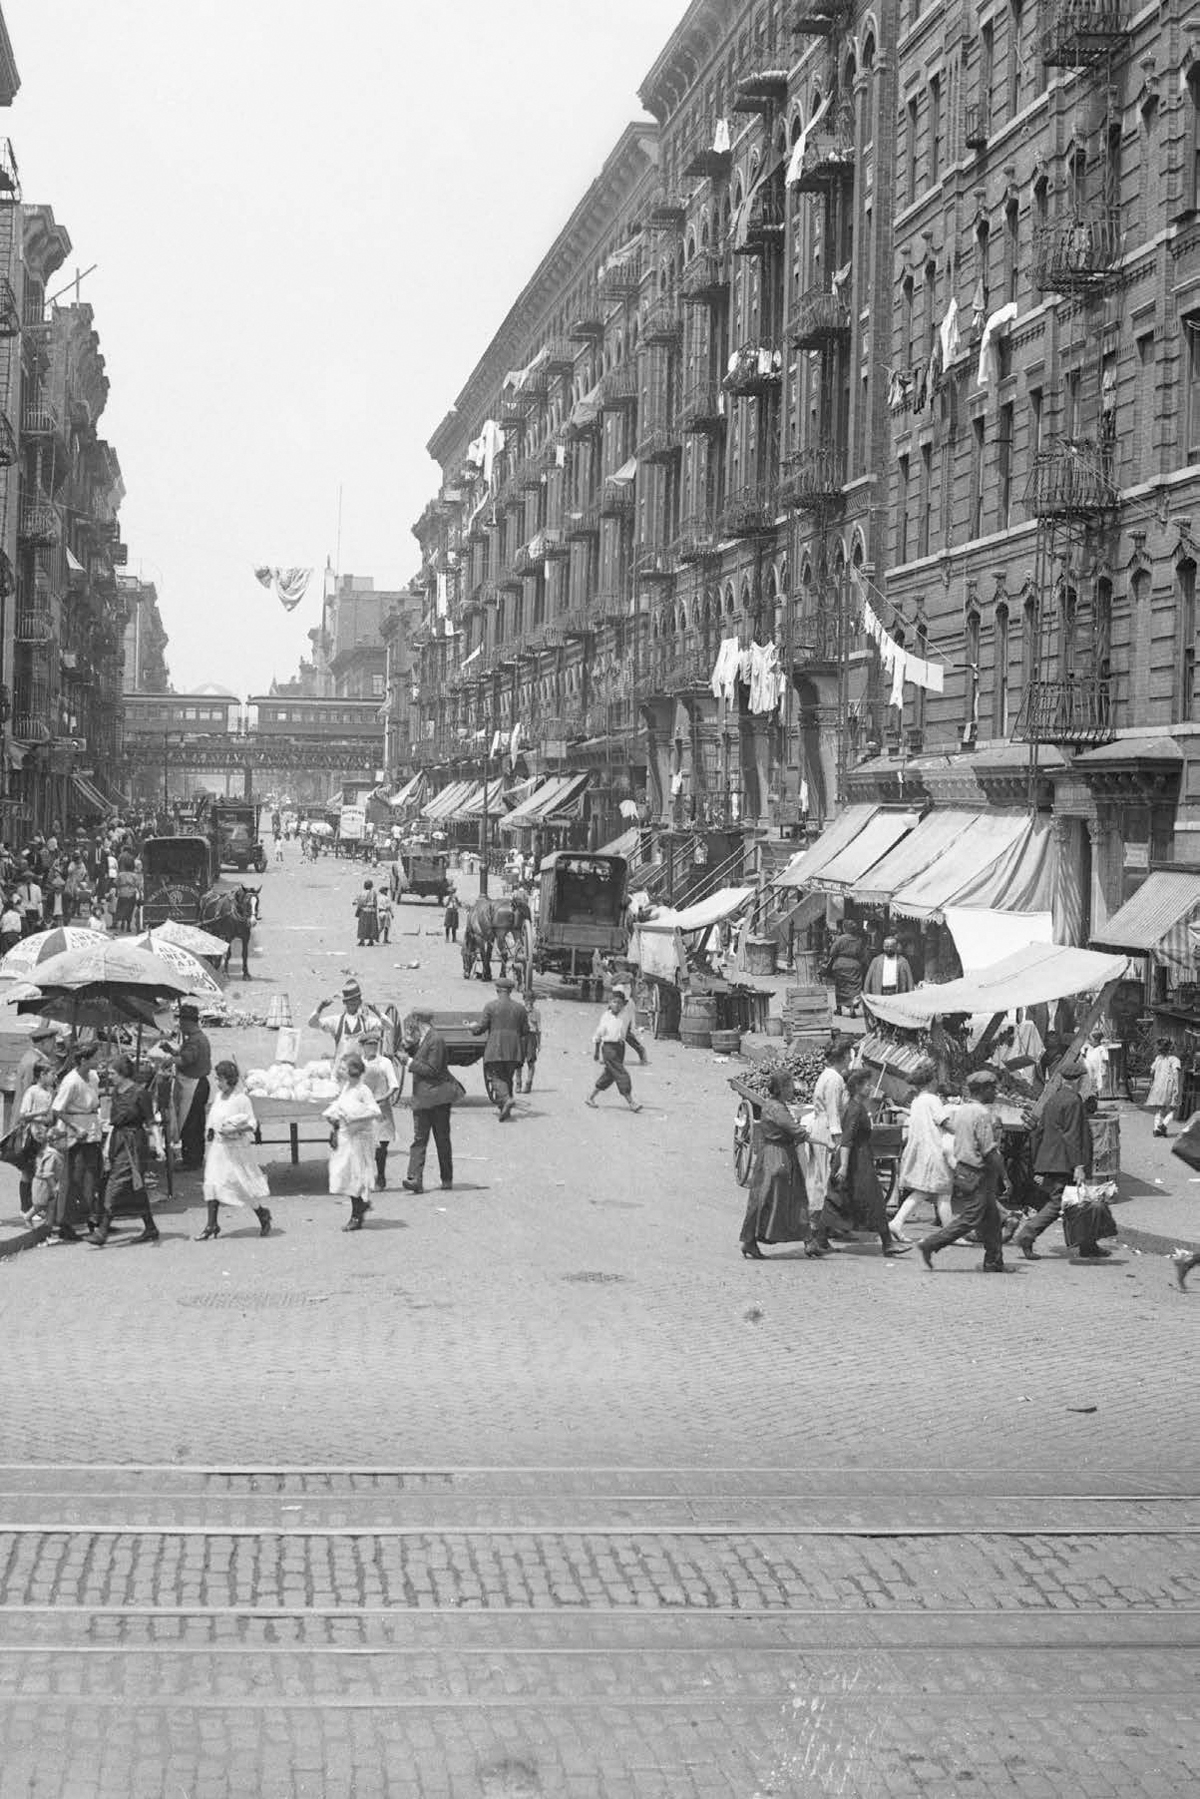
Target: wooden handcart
887, 1139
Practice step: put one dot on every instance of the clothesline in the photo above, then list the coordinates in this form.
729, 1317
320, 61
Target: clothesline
952, 668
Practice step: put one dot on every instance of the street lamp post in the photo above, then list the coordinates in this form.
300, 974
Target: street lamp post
483, 826
166, 771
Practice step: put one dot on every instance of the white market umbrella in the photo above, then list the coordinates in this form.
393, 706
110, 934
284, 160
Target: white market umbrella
200, 980
23, 957
186, 936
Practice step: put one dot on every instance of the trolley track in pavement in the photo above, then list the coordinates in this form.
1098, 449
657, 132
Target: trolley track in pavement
343, 1630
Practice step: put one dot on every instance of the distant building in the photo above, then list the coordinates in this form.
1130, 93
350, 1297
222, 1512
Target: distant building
146, 639
348, 649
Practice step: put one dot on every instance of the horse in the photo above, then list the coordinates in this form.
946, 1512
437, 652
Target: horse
231, 913
479, 937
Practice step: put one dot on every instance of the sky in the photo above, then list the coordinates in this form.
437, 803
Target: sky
307, 224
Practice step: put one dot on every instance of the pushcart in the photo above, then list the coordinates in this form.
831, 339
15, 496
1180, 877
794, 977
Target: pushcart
887, 1139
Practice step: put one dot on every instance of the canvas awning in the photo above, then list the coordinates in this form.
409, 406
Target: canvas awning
90, 797
704, 914
559, 798
937, 832
586, 410
986, 842
472, 806
627, 471
1036, 975
625, 845
443, 803
833, 839
1155, 921
879, 835
407, 794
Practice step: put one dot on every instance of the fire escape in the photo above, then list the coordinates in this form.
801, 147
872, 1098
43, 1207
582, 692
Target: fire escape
1073, 489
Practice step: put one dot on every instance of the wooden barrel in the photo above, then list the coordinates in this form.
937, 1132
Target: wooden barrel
697, 1019
806, 966
726, 1043
1106, 1146
761, 953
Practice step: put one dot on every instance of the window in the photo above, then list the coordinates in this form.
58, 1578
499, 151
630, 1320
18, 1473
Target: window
1191, 332
1014, 57
902, 510
1029, 645
1035, 422
971, 720
983, 238
926, 499
935, 129
1000, 718
376, 684
906, 294
1072, 418
1192, 189
1012, 251
977, 451
987, 68
1141, 443
912, 152
1004, 449
1185, 607
1068, 609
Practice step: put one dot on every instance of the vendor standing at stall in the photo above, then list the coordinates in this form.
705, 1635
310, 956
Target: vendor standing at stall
889, 972
193, 1064
349, 1026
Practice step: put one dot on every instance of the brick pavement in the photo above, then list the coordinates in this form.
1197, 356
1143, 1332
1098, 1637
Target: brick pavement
605, 1414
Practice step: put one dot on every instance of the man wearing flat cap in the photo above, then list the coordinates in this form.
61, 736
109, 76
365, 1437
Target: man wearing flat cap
979, 1177
1061, 1145
434, 1090
505, 1023
40, 1051
348, 1025
193, 1064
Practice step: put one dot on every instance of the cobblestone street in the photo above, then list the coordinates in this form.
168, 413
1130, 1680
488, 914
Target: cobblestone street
537, 1488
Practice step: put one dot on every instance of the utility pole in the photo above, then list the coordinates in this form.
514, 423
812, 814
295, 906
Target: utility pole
483, 826
166, 771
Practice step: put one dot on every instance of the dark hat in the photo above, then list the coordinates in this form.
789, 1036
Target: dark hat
44, 1033
1072, 1070
423, 1015
503, 981
187, 1010
981, 1079
351, 990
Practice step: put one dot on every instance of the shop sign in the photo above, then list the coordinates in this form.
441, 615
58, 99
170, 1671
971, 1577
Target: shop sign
1137, 856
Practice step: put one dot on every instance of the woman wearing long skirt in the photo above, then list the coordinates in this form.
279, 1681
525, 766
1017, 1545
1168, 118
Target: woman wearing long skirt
130, 1116
777, 1209
354, 1115
925, 1171
844, 967
77, 1106
232, 1176
859, 1195
380, 1076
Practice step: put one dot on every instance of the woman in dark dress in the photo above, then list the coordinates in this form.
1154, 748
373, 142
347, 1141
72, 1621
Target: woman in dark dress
777, 1210
844, 967
859, 1196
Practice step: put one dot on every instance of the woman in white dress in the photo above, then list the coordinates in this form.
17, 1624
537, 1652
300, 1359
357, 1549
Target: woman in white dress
232, 1176
925, 1171
354, 1115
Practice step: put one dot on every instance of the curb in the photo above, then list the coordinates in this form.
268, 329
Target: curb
12, 1246
1153, 1243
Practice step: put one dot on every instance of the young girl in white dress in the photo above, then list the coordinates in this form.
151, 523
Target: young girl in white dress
925, 1171
381, 1078
232, 1176
355, 1113
1166, 1085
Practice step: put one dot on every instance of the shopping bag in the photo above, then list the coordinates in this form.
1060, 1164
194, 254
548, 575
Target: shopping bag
287, 1045
1187, 1145
1087, 1222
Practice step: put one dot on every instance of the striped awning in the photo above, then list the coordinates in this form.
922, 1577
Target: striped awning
802, 869
1155, 921
558, 798
443, 803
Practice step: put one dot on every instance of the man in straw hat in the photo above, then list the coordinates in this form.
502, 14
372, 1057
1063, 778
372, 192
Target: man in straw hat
350, 1025
979, 1177
505, 1023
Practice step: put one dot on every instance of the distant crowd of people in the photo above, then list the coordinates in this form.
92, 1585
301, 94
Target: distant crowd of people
90, 878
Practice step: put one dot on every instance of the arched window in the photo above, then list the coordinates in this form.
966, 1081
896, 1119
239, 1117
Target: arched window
1000, 718
1192, 183
1012, 250
1185, 612
1068, 607
971, 710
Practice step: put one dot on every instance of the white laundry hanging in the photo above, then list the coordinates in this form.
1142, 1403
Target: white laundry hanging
989, 353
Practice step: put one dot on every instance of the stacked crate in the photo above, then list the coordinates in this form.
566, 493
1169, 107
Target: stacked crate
807, 1015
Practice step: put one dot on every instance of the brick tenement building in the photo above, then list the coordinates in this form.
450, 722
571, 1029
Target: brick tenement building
678, 438
1045, 496
145, 644
734, 398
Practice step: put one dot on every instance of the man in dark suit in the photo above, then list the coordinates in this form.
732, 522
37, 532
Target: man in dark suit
434, 1091
505, 1023
1061, 1143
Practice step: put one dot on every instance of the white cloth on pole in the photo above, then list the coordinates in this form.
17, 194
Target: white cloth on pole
722, 140
796, 165
993, 331
897, 698
948, 333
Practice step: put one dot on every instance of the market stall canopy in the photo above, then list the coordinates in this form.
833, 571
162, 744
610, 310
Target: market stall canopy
1035, 975
937, 832
982, 936
833, 839
625, 845
986, 842
443, 803
727, 903
1155, 921
881, 834
90, 796
472, 806
558, 799
408, 794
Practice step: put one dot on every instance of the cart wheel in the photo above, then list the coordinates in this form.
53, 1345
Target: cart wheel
743, 1142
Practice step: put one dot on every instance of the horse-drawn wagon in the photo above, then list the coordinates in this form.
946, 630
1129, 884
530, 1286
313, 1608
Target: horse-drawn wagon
582, 913
499, 929
177, 872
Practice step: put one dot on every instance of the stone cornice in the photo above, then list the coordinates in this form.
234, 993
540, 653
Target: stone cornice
687, 49
45, 243
10, 80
